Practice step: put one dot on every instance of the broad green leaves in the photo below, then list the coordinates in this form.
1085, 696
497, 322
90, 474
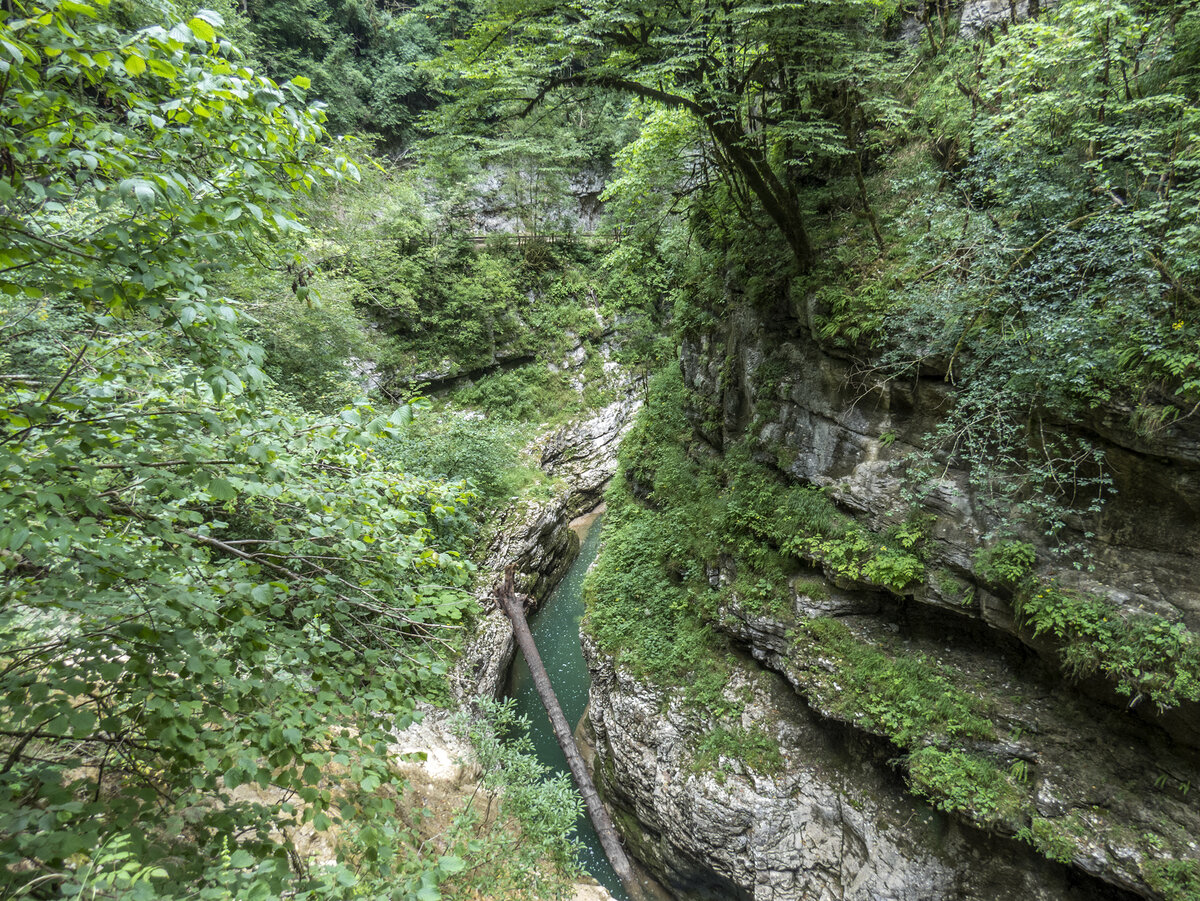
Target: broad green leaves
205, 595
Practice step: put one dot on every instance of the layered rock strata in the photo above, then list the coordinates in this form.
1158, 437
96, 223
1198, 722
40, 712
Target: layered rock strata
537, 539
833, 823
824, 424
1097, 796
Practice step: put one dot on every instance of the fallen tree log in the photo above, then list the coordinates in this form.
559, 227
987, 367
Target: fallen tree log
609, 839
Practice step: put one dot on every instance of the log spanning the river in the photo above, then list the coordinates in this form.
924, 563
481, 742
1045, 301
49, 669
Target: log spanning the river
609, 839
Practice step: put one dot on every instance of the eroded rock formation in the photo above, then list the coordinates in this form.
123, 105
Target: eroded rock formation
834, 823
1100, 794
537, 539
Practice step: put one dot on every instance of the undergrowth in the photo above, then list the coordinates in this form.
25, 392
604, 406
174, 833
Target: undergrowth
1146, 656
959, 782
906, 698
1175, 880
753, 746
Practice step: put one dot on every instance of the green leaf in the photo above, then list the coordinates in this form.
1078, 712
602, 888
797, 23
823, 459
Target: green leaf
202, 29
73, 6
449, 865
135, 65
221, 490
162, 68
18, 538
212, 16
82, 722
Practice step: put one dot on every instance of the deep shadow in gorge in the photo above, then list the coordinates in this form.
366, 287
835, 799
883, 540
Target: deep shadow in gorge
555, 628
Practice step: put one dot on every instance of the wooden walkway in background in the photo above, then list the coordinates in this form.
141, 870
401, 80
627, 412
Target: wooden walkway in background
609, 840
556, 238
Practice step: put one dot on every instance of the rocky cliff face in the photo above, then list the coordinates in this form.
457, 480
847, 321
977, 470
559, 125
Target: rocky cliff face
826, 425
1097, 797
536, 537
833, 822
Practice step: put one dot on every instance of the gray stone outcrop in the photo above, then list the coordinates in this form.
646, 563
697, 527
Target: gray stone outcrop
1109, 785
537, 539
835, 822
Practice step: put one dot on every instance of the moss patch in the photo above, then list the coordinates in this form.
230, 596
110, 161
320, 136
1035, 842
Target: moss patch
905, 697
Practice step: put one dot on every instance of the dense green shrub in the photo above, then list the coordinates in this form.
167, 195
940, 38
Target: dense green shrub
1146, 656
484, 452
202, 589
959, 782
905, 697
525, 394
361, 57
1006, 563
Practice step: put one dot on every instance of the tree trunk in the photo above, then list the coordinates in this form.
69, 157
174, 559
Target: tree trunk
566, 740
747, 161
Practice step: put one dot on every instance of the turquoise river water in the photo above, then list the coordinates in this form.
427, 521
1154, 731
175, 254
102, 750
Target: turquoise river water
555, 629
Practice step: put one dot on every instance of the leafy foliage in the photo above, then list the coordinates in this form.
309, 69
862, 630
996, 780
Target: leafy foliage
360, 56
1007, 562
1177, 880
803, 522
539, 856
906, 698
778, 90
1061, 238
482, 452
754, 746
965, 783
394, 293
204, 590
1147, 656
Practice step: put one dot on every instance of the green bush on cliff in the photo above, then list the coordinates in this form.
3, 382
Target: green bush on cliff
959, 782
1177, 880
802, 521
638, 609
1144, 654
1147, 656
482, 451
1006, 563
905, 697
754, 747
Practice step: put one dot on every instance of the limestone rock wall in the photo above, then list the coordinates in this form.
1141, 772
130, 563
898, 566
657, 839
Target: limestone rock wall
536, 537
834, 823
825, 424
1110, 784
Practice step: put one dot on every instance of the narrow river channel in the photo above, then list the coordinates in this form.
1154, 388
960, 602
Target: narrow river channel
555, 629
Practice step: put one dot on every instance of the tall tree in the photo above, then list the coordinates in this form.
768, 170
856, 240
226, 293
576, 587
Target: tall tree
776, 87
